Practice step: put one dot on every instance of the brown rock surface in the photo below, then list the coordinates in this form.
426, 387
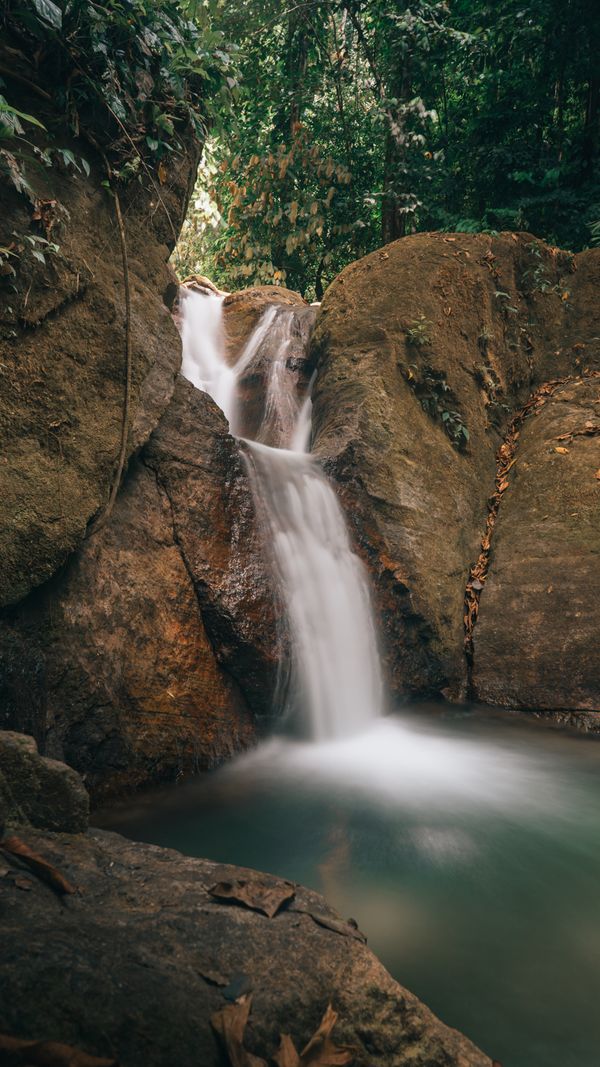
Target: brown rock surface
288, 335
62, 352
135, 965
243, 309
536, 640
40, 791
437, 327
154, 649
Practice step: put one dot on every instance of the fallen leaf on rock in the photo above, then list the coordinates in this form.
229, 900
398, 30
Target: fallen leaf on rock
37, 864
22, 883
48, 1054
321, 1051
286, 1055
230, 1023
338, 926
255, 893
239, 985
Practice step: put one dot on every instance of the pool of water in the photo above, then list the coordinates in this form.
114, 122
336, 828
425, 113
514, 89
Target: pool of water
466, 846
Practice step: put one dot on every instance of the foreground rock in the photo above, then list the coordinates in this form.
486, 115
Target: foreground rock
136, 963
38, 791
155, 651
62, 348
424, 351
536, 642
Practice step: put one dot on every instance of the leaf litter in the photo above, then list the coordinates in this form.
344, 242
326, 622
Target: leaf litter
230, 1022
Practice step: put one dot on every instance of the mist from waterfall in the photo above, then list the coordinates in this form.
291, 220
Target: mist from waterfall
335, 685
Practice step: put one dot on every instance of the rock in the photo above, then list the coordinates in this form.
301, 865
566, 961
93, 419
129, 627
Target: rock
154, 652
536, 639
201, 469
136, 964
62, 351
43, 792
286, 347
412, 343
242, 310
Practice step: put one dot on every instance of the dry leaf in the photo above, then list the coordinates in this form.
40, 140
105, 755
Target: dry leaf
162, 173
22, 883
286, 1055
338, 926
37, 864
48, 1054
321, 1051
255, 893
230, 1023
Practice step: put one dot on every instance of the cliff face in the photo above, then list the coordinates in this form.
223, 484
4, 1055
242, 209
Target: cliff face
154, 651
425, 351
62, 346
148, 647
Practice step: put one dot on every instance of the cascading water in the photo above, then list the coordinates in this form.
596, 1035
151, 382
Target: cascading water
335, 684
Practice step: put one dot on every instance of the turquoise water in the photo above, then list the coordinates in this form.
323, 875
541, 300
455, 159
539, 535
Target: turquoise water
467, 847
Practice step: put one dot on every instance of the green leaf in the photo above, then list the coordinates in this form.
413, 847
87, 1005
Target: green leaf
11, 112
49, 12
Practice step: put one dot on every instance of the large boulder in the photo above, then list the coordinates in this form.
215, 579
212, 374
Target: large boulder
62, 344
154, 652
137, 963
425, 350
536, 640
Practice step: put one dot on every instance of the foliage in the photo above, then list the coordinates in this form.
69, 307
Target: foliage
435, 396
464, 116
131, 75
418, 332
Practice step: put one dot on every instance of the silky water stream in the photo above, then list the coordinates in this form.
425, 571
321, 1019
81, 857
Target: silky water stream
465, 843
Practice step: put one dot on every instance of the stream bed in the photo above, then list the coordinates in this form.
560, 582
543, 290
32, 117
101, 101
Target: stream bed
466, 844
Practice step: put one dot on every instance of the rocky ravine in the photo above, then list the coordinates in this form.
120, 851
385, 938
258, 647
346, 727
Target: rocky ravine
437, 333
154, 650
134, 964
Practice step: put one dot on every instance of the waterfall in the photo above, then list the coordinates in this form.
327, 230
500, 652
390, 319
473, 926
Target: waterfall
335, 686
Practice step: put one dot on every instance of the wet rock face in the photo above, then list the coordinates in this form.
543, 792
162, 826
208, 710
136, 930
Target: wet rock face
62, 350
285, 353
242, 311
146, 922
536, 640
154, 651
414, 344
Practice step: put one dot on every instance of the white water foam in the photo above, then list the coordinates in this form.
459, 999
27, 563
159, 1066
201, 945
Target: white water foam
335, 686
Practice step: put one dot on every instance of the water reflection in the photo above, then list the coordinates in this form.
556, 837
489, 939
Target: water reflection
465, 847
